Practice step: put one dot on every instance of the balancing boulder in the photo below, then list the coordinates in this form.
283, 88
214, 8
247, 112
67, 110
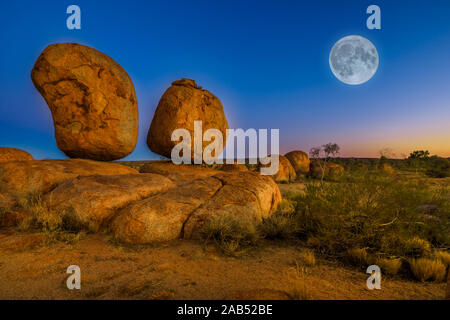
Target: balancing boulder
92, 100
182, 104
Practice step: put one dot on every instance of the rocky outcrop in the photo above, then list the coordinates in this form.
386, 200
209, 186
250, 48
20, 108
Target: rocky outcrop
182, 104
162, 217
299, 160
91, 201
92, 100
247, 196
181, 211
13, 154
21, 177
168, 202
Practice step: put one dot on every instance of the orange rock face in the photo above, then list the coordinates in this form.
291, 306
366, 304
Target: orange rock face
182, 104
13, 154
21, 177
91, 201
183, 210
234, 167
92, 100
285, 171
299, 161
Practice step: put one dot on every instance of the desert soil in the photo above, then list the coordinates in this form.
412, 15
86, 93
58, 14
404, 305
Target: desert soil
30, 268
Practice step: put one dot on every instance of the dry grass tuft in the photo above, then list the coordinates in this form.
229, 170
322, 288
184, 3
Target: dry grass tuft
389, 266
416, 247
300, 290
443, 256
231, 234
358, 257
308, 258
425, 269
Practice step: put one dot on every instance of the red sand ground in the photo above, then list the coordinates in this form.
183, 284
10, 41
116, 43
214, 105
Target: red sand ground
31, 269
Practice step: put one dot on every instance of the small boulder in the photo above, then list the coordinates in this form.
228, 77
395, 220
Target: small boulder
285, 171
92, 100
182, 104
13, 154
299, 160
19, 178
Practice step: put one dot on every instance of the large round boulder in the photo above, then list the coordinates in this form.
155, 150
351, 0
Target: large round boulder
92, 100
182, 104
13, 154
299, 160
285, 171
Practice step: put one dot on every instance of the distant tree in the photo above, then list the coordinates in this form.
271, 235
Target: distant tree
419, 154
331, 149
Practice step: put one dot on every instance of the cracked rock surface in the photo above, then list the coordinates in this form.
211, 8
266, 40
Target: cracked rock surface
166, 202
13, 154
183, 103
92, 100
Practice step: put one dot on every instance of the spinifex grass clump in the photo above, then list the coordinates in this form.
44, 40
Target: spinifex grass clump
376, 212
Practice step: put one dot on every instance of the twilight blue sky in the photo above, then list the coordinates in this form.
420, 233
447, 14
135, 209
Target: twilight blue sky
266, 60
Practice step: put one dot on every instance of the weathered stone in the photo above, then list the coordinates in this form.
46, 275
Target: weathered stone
162, 217
92, 201
182, 104
22, 177
181, 173
285, 171
92, 100
247, 196
13, 154
299, 160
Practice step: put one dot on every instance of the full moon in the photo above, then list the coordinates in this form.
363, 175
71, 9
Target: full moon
354, 60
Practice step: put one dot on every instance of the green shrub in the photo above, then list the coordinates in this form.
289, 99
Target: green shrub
380, 212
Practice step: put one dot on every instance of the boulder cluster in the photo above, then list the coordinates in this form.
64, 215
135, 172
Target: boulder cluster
95, 113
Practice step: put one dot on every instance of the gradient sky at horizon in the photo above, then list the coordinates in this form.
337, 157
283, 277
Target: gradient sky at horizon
266, 60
